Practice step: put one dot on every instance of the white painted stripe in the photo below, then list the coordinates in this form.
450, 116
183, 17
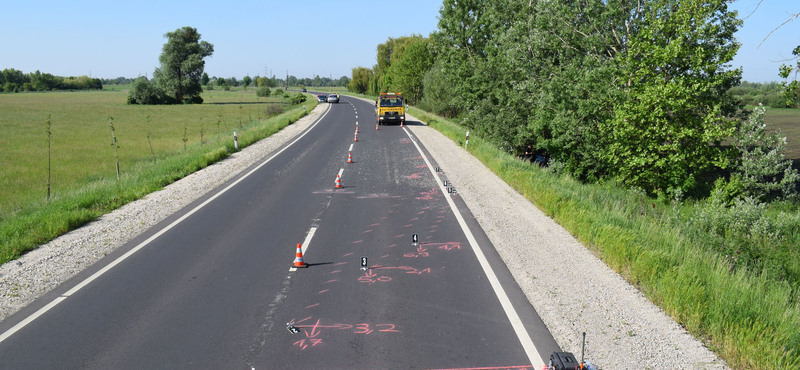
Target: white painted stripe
511, 313
306, 242
30, 318
341, 170
141, 245
351, 148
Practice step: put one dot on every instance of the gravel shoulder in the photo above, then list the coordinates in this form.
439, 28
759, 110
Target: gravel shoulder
39, 271
624, 329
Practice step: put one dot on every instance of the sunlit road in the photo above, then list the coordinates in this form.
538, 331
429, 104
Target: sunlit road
215, 290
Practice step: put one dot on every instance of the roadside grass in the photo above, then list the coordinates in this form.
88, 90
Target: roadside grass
84, 177
749, 315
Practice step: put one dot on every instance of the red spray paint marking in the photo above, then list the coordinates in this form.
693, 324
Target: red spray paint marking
385, 256
368, 231
421, 212
332, 281
414, 219
393, 245
447, 243
439, 216
323, 291
523, 367
421, 252
303, 343
340, 263
297, 322
349, 254
399, 236
442, 211
375, 224
409, 225
397, 205
313, 305
414, 176
434, 226
383, 218
417, 157
423, 166
358, 241
429, 237
336, 272
405, 269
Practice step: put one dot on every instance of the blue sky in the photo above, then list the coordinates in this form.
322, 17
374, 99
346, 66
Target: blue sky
115, 38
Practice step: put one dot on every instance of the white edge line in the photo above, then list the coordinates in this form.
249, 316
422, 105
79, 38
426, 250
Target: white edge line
141, 245
341, 171
513, 317
351, 148
30, 318
305, 244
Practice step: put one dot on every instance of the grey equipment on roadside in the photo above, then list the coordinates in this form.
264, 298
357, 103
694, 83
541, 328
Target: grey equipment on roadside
567, 361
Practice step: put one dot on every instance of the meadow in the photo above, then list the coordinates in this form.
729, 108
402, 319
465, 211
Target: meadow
84, 185
788, 122
81, 137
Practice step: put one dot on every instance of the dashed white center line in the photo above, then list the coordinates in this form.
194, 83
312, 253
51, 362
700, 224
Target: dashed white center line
351, 147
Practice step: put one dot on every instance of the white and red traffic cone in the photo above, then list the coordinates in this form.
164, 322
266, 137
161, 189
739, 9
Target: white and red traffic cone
298, 259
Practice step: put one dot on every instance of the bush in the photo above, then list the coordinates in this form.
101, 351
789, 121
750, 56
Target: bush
298, 98
263, 91
278, 92
146, 93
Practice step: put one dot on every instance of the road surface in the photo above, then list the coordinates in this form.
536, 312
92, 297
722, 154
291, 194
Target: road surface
211, 286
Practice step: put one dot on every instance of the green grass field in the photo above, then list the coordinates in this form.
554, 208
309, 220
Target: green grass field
81, 137
788, 121
84, 183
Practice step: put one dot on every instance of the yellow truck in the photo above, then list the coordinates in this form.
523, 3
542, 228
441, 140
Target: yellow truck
389, 108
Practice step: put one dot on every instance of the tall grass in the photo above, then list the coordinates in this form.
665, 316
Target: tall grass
80, 136
36, 222
748, 314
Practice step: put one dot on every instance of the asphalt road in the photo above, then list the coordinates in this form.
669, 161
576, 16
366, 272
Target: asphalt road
215, 290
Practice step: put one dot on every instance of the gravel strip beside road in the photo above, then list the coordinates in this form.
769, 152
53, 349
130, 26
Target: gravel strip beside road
572, 290
39, 271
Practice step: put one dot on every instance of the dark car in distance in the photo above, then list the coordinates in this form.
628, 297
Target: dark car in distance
322, 98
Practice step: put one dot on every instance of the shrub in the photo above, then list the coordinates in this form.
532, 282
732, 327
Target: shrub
278, 92
145, 92
298, 98
263, 91
763, 168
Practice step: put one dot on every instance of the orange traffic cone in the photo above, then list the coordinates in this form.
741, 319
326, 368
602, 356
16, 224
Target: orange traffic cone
355, 139
338, 182
349, 157
401, 123
376, 127
356, 128
298, 259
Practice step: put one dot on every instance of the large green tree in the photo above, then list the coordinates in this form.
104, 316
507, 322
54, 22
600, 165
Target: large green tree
667, 130
408, 68
182, 65
361, 80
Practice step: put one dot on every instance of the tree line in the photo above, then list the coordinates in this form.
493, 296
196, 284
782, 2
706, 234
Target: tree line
12, 80
634, 91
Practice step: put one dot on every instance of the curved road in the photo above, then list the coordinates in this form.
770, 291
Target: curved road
211, 287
